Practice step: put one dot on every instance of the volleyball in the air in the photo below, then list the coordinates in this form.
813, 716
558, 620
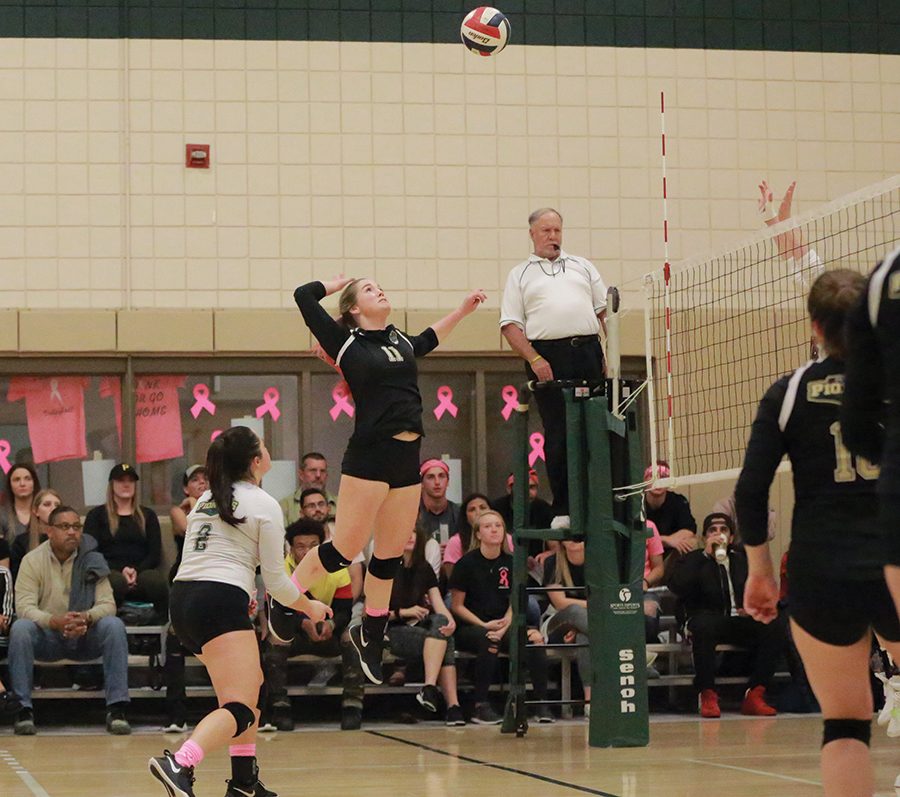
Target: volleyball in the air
485, 31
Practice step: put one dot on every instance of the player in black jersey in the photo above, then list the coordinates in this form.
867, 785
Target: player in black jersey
870, 415
380, 482
837, 592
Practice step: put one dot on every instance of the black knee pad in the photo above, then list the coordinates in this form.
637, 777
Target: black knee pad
331, 558
243, 716
861, 730
384, 569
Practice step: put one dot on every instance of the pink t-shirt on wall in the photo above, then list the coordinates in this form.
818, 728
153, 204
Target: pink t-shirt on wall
54, 408
654, 547
157, 415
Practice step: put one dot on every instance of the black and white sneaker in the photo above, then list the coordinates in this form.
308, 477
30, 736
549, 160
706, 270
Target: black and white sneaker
257, 790
370, 652
455, 716
282, 621
178, 780
429, 697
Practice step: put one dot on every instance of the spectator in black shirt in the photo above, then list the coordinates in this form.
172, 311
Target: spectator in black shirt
380, 482
22, 484
479, 590
671, 512
539, 514
421, 627
712, 590
838, 593
128, 536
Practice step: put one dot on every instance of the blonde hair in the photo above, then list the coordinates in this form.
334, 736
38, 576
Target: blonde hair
348, 300
112, 513
476, 527
34, 523
561, 573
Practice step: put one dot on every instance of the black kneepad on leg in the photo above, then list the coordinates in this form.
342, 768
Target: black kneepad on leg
243, 716
384, 569
331, 558
861, 730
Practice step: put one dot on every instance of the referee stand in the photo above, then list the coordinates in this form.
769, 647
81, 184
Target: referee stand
604, 452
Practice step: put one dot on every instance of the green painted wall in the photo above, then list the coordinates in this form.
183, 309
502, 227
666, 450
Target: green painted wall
865, 26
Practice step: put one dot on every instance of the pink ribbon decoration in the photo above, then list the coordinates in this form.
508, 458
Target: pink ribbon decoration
537, 449
511, 397
504, 577
214, 435
5, 448
341, 395
445, 402
202, 402
270, 404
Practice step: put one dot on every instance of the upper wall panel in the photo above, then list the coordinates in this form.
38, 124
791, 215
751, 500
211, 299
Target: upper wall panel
856, 26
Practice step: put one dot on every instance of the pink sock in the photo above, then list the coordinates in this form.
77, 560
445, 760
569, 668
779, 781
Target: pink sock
189, 755
242, 750
297, 583
377, 612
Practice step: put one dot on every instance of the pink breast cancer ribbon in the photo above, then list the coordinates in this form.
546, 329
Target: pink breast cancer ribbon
214, 435
511, 397
270, 404
5, 448
341, 395
537, 449
504, 577
202, 402
445, 402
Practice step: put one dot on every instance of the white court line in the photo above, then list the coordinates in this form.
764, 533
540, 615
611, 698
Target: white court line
753, 771
27, 778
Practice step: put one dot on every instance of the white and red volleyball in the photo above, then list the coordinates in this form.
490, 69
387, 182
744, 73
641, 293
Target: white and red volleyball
485, 30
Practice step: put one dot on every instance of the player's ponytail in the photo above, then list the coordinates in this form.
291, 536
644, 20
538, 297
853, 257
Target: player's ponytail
227, 461
830, 298
346, 301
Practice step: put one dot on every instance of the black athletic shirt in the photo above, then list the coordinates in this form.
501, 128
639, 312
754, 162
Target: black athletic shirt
834, 529
485, 583
870, 416
379, 366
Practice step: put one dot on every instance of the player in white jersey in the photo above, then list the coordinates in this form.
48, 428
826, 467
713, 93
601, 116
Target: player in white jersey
233, 528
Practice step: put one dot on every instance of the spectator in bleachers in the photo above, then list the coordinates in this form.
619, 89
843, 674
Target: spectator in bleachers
479, 589
713, 595
438, 515
312, 473
671, 513
128, 535
460, 543
653, 575
65, 610
44, 503
294, 634
539, 512
194, 482
567, 621
421, 627
22, 484
726, 506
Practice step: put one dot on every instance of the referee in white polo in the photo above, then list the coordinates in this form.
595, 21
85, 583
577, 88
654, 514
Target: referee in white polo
553, 307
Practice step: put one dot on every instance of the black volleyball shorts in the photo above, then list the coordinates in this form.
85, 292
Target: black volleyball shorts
203, 610
390, 460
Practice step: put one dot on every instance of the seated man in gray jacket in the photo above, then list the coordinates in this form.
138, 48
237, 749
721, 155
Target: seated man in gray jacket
65, 610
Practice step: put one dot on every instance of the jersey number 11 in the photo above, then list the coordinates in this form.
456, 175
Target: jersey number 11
845, 470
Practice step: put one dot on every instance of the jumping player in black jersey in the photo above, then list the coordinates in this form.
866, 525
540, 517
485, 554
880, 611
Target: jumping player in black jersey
380, 482
837, 590
870, 415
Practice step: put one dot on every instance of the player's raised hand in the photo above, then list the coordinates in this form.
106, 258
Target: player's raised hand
472, 301
765, 200
337, 284
784, 209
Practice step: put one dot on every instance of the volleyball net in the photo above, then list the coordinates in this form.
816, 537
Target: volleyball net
721, 329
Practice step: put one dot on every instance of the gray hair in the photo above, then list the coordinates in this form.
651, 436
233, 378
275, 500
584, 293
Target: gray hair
536, 214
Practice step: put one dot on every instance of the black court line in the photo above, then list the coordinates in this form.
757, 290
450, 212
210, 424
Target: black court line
513, 770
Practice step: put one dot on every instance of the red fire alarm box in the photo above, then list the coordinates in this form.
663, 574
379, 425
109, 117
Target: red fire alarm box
196, 156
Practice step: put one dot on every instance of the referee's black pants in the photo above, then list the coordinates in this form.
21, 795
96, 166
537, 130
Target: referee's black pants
570, 358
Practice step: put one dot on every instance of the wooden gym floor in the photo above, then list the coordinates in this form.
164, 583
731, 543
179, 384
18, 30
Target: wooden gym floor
734, 756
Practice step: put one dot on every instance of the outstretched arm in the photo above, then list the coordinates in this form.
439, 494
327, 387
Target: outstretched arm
448, 323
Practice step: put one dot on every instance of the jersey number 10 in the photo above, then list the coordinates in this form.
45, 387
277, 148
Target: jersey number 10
845, 470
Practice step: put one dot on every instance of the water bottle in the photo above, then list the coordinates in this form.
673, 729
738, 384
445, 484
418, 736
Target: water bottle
720, 551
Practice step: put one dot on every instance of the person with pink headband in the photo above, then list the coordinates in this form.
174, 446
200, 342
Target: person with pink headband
438, 515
